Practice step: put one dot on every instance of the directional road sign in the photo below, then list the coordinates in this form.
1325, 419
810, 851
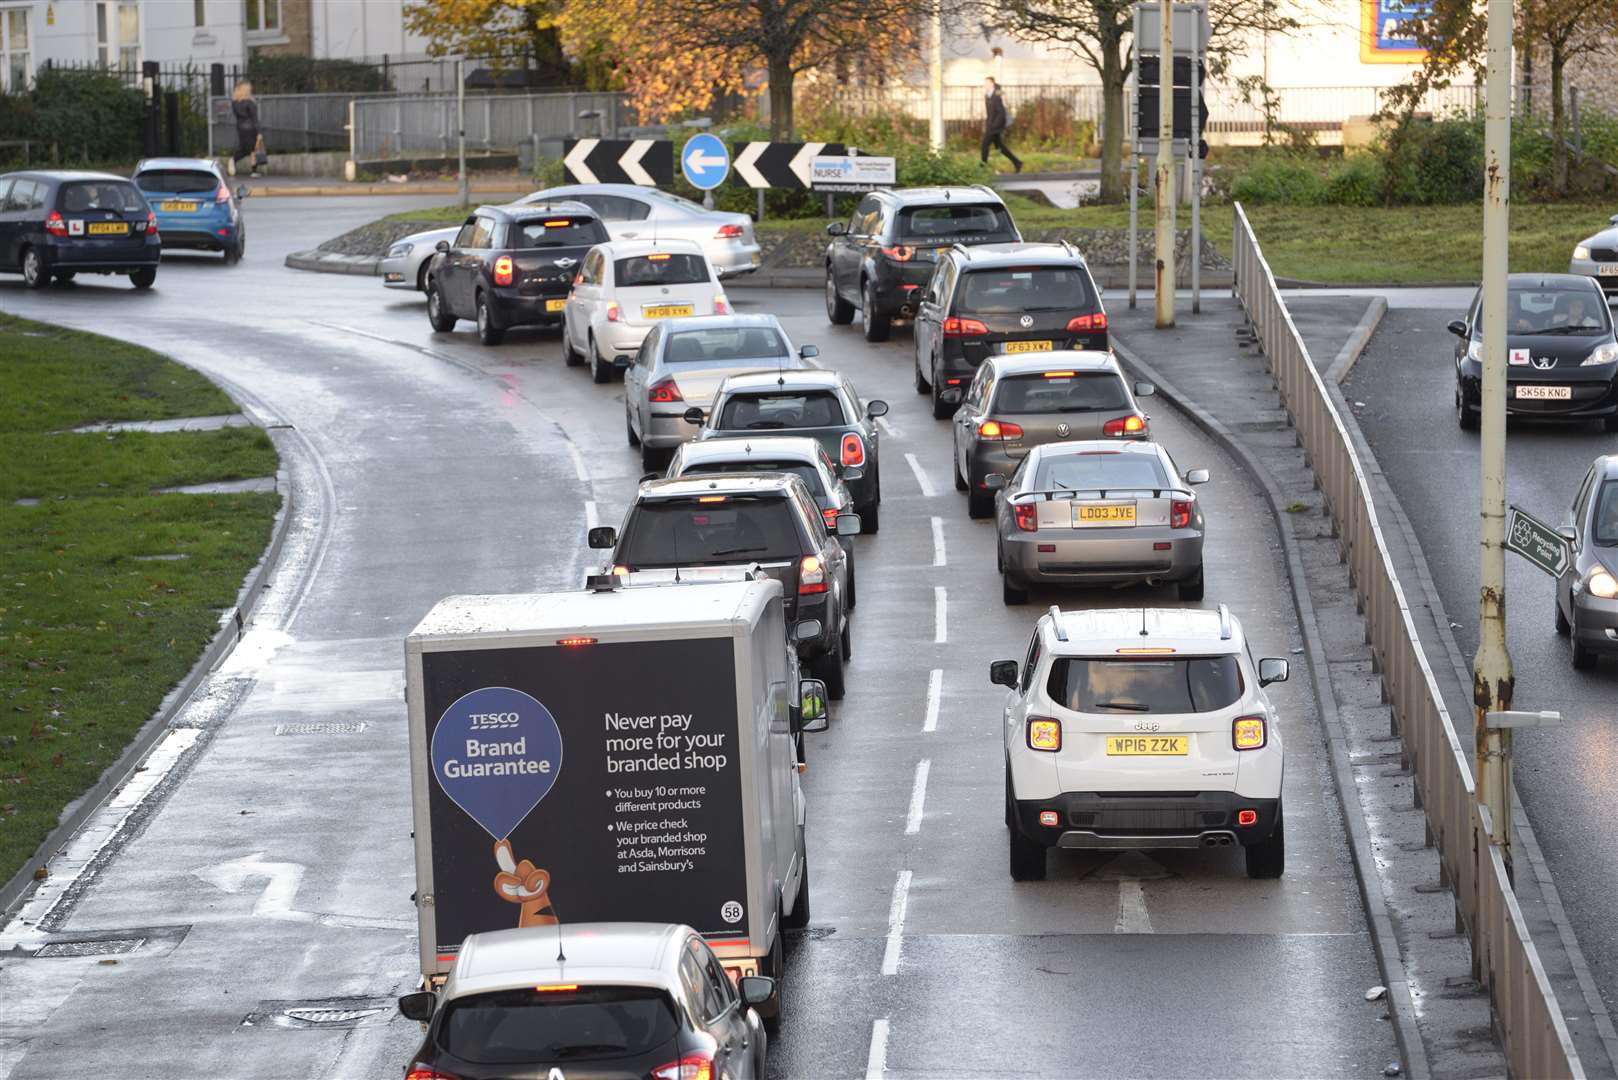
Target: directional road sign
705, 161
779, 164
648, 162
1537, 542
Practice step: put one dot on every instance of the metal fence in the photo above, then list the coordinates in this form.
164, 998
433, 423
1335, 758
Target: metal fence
1504, 960
291, 123
963, 105
398, 126
1319, 110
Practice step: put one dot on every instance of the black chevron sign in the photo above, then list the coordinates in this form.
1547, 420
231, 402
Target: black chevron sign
776, 164
648, 162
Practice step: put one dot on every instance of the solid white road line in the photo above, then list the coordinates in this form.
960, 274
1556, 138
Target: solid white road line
578, 462
940, 615
922, 481
876, 1062
896, 924
935, 691
1132, 917
918, 797
592, 516
938, 541
882, 422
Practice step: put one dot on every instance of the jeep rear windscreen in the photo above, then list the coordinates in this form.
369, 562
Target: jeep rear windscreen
929, 226
1126, 686
1027, 288
712, 529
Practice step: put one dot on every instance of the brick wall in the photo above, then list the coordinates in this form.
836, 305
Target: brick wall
296, 25
1594, 73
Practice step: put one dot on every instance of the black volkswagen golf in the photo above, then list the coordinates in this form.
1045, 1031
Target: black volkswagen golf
1561, 359
62, 224
510, 266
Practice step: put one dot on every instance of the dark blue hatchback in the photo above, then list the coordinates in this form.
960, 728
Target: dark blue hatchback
57, 225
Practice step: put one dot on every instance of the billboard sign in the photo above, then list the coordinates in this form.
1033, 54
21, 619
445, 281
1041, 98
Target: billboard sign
1385, 36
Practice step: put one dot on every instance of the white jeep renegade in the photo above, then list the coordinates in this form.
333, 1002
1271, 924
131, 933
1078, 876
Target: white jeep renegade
1141, 728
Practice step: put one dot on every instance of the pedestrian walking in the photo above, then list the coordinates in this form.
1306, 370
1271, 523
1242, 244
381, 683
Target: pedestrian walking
995, 123
249, 139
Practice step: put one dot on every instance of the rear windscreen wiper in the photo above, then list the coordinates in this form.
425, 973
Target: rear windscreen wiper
1126, 706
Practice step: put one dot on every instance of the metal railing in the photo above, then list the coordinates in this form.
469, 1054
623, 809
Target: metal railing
1504, 960
963, 105
290, 122
396, 126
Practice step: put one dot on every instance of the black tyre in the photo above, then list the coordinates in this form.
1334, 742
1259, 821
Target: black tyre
853, 593
1027, 856
490, 332
233, 254
955, 467
570, 355
770, 1011
599, 372
65, 277
942, 410
1466, 418
144, 279
1012, 594
922, 385
1610, 423
1584, 658
871, 519
875, 326
798, 918
829, 670
1192, 588
979, 506
34, 274
1267, 859
1563, 627
438, 313
653, 460
839, 312
629, 432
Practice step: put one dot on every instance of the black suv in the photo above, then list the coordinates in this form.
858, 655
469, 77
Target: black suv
765, 518
61, 224
510, 266
878, 263
1002, 298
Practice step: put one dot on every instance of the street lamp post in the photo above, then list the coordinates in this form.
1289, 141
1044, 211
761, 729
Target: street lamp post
1164, 185
935, 79
1492, 677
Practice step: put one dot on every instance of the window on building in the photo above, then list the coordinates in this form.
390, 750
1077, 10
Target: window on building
263, 16
16, 67
118, 34
129, 35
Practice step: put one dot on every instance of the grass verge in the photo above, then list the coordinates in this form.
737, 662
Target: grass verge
108, 592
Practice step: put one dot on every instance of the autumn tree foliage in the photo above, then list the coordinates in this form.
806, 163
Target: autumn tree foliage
508, 34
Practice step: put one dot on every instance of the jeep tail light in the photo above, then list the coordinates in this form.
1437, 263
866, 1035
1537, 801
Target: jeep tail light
1097, 321
811, 575
502, 270
223, 194
1179, 513
954, 327
999, 430
721, 305
1124, 426
1247, 817
728, 232
1050, 818
1044, 733
697, 1066
1026, 515
612, 311
853, 450
902, 253
55, 225
1248, 733
664, 391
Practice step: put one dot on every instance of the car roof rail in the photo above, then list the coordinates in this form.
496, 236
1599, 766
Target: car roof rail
1056, 623
1225, 630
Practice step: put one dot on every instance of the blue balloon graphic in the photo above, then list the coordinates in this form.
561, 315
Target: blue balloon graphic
496, 753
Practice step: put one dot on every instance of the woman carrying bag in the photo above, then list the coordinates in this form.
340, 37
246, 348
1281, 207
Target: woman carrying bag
249, 139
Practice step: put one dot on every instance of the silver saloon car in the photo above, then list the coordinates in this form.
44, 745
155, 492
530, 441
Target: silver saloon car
1587, 591
641, 213
405, 264
1098, 513
1597, 256
680, 364
1019, 401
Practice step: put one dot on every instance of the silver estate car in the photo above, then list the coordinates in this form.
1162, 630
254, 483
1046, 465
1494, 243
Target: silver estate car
1597, 257
802, 457
1098, 513
1587, 592
1019, 401
627, 999
681, 363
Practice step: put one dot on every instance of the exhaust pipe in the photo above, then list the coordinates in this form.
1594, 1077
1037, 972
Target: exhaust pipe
1217, 840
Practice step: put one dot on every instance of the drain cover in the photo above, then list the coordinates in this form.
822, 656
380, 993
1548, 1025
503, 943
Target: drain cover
336, 728
320, 1013
58, 950
331, 1016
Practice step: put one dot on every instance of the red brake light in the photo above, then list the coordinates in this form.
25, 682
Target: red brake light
811, 576
502, 270
900, 253
426, 1072
997, 430
1124, 426
728, 232
151, 223
664, 391
560, 223
721, 306
1025, 515
1247, 817
1179, 513
1097, 321
571, 642
830, 517
698, 1066
853, 450
954, 327
55, 225
612, 311
223, 194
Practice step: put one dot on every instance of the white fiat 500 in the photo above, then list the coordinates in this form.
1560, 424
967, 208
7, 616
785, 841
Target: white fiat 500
1135, 729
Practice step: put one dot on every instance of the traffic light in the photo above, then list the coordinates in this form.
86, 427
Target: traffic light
1147, 86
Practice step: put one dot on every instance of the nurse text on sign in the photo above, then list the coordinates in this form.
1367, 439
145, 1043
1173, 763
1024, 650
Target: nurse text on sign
846, 172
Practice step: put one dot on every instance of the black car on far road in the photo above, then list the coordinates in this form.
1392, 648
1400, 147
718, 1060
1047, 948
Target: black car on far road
510, 266
61, 224
879, 261
768, 519
1562, 357
995, 299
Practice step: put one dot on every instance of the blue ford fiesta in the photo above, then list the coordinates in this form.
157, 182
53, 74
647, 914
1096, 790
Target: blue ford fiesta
194, 205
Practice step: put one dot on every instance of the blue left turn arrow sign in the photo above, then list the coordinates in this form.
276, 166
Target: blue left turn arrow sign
705, 161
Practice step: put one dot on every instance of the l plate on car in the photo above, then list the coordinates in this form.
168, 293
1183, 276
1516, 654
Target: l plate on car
1545, 393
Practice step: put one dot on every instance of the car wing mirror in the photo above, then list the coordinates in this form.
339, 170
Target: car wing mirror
1197, 476
441, 246
813, 714
756, 989
1273, 669
809, 352
951, 395
836, 228
1003, 672
848, 524
603, 536
851, 472
1458, 327
418, 1006
243, 191
1145, 389
995, 481
805, 631
1568, 533
650, 476
693, 415
877, 408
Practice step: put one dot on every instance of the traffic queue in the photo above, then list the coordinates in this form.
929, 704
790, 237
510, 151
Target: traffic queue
667, 809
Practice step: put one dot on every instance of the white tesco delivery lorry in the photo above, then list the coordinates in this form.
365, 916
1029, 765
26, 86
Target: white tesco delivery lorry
621, 753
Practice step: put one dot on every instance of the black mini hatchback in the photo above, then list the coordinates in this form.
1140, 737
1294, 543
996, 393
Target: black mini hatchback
57, 225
